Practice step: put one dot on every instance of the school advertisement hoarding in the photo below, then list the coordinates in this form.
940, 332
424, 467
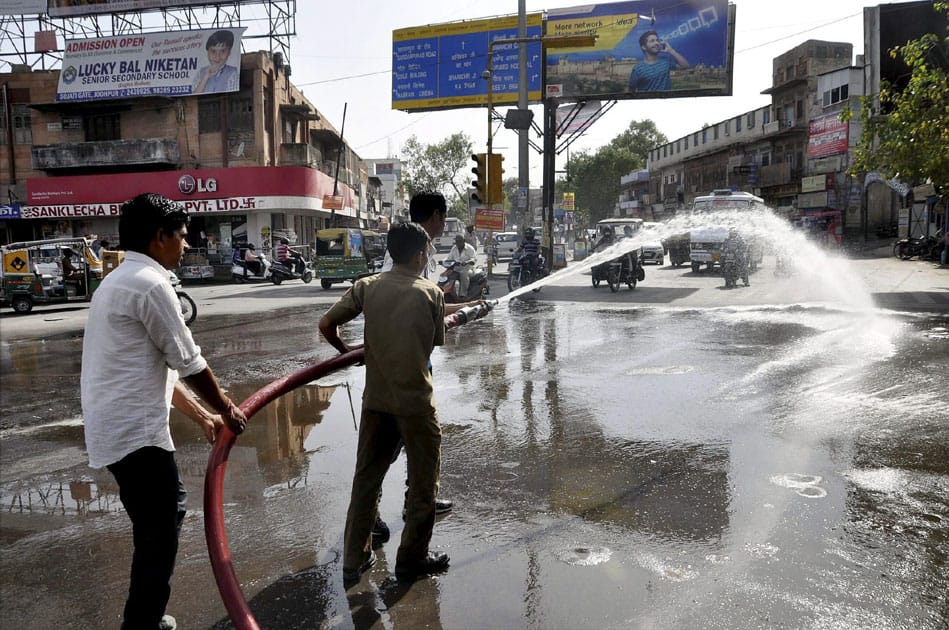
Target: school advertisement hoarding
66, 8
22, 7
441, 66
662, 49
175, 63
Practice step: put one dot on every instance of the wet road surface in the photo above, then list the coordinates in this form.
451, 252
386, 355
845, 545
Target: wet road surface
613, 465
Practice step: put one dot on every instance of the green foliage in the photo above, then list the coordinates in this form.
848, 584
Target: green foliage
595, 178
906, 132
443, 166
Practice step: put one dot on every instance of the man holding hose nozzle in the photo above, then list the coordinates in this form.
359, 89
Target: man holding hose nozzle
405, 320
136, 344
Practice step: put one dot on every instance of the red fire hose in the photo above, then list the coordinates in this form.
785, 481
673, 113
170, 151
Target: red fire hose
214, 530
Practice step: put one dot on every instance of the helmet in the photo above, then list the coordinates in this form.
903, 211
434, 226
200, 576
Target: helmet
284, 241
529, 232
251, 246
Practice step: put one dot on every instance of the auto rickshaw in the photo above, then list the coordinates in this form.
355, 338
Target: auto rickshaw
345, 254
48, 272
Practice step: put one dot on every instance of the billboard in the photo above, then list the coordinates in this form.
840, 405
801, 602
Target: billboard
66, 8
440, 66
175, 63
827, 135
22, 7
662, 49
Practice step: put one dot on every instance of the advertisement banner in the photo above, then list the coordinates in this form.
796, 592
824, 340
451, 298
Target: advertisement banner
573, 118
203, 190
827, 135
151, 64
489, 220
569, 199
440, 66
65, 8
22, 7
813, 183
662, 49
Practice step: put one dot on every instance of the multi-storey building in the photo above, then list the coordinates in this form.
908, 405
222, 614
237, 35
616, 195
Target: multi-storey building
768, 150
250, 165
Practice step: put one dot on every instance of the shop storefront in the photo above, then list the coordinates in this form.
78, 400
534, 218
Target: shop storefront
229, 207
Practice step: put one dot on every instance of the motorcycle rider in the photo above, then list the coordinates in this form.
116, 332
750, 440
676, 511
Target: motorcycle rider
529, 251
252, 261
736, 244
462, 252
289, 257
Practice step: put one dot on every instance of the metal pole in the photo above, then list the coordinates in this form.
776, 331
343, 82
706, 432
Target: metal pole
550, 165
523, 154
487, 175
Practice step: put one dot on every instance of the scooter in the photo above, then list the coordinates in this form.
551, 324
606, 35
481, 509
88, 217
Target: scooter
450, 283
241, 273
293, 269
189, 310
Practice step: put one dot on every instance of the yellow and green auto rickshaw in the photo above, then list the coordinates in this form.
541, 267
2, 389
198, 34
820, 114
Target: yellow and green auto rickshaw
48, 272
346, 254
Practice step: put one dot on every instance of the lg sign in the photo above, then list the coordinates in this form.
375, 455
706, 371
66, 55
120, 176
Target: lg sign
188, 185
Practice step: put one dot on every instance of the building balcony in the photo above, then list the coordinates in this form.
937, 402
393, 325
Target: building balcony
299, 154
637, 177
778, 175
74, 155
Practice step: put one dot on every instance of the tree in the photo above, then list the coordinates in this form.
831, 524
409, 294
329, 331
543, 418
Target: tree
906, 130
439, 167
595, 178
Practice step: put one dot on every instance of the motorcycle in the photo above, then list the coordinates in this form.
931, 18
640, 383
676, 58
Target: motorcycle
921, 246
732, 269
627, 269
450, 283
240, 272
293, 269
520, 274
189, 310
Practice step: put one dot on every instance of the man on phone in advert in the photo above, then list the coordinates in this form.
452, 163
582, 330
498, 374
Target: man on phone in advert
659, 58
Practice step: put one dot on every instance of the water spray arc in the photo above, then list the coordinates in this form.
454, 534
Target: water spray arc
215, 531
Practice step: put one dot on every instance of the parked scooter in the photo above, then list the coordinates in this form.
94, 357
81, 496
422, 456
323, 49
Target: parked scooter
241, 272
189, 310
450, 283
293, 269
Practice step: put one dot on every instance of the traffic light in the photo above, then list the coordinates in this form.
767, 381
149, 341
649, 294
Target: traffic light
480, 195
495, 178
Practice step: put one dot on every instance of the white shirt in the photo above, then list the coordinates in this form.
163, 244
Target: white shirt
135, 345
467, 253
430, 268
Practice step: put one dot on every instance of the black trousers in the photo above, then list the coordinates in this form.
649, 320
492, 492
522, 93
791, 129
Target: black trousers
155, 500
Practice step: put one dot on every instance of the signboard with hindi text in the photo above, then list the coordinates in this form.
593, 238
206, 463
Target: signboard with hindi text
441, 66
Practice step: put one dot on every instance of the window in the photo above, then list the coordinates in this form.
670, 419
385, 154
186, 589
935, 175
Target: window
715, 132
765, 158
22, 119
695, 139
737, 123
678, 147
766, 117
209, 116
704, 135
800, 110
686, 143
664, 147
751, 120
240, 113
835, 95
102, 127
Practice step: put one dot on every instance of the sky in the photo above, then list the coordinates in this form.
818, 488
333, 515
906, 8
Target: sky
343, 56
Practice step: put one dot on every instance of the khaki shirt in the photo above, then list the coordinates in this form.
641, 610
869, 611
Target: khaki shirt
405, 320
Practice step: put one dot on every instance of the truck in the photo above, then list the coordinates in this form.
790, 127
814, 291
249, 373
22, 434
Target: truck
705, 247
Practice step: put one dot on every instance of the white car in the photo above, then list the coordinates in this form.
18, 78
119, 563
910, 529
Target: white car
505, 243
652, 252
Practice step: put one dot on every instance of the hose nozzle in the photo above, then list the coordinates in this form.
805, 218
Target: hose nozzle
470, 313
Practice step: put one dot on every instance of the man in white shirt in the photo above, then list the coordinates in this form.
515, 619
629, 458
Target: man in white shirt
135, 346
463, 253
